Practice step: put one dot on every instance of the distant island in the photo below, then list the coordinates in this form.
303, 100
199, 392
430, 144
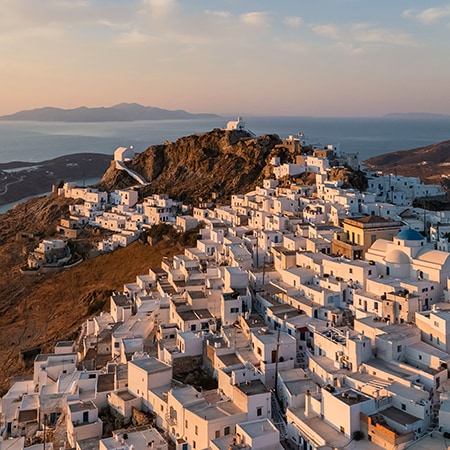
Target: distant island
123, 112
416, 115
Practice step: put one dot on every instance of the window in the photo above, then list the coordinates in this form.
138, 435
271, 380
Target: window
186, 424
234, 310
399, 348
403, 407
420, 356
217, 434
259, 411
226, 431
196, 429
194, 444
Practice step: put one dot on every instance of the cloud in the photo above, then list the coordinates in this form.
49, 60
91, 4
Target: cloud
293, 21
350, 48
133, 38
327, 30
429, 15
67, 15
160, 8
365, 33
218, 14
259, 19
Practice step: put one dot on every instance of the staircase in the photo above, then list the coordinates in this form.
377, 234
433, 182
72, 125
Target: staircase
278, 417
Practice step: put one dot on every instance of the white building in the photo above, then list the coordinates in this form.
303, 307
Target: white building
124, 154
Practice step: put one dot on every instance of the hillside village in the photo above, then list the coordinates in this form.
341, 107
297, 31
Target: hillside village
306, 316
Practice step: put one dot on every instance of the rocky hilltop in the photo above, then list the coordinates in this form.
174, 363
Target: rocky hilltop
430, 163
220, 161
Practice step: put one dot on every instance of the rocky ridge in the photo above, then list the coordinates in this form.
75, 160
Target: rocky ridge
225, 162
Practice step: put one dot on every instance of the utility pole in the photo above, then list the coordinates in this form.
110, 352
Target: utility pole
276, 363
257, 256
264, 268
45, 422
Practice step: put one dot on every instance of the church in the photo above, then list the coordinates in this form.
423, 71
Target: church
410, 260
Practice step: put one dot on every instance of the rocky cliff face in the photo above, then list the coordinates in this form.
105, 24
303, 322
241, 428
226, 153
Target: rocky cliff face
225, 162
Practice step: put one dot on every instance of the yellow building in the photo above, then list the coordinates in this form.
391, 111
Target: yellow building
361, 232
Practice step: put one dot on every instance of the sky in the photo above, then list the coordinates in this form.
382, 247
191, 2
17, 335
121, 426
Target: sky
324, 58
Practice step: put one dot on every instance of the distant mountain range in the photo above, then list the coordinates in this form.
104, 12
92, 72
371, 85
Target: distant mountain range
123, 112
416, 115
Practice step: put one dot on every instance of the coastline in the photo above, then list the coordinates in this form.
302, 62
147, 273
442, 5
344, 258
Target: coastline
22, 180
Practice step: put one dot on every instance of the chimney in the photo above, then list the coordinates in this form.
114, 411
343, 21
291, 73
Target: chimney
307, 403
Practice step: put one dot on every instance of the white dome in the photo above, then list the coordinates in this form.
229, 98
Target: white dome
397, 257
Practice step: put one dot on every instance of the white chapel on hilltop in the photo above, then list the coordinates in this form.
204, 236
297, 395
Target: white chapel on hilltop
124, 153
238, 125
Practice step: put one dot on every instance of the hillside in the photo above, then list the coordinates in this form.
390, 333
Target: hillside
225, 162
123, 112
430, 163
38, 310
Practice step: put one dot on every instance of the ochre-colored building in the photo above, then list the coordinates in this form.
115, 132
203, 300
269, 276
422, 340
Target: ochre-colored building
361, 232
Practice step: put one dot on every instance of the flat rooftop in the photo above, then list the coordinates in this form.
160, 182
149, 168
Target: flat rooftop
229, 359
150, 365
81, 406
351, 397
126, 395
253, 387
121, 300
137, 438
399, 416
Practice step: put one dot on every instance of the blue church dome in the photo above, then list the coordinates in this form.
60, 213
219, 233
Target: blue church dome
410, 235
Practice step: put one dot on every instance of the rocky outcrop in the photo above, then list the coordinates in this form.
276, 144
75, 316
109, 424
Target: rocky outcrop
220, 161
351, 179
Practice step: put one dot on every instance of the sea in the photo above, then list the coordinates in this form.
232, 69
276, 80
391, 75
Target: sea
41, 141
